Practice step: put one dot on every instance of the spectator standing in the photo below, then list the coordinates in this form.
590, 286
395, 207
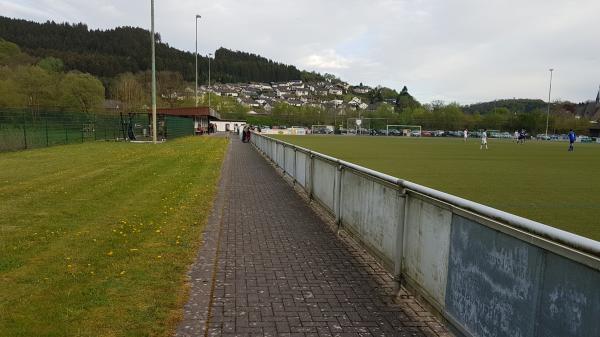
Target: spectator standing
465, 134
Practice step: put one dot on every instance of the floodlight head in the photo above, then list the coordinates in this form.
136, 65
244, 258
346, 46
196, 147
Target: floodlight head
198, 16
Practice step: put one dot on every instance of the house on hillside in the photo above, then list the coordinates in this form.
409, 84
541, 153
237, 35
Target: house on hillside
229, 93
295, 102
336, 91
301, 92
321, 91
249, 102
282, 91
361, 90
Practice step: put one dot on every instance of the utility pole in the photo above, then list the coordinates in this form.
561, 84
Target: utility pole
549, 93
153, 76
197, 17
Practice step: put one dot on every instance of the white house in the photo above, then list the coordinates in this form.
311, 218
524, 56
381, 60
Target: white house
336, 91
228, 125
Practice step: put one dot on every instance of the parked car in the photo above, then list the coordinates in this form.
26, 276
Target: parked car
542, 136
426, 134
584, 139
415, 133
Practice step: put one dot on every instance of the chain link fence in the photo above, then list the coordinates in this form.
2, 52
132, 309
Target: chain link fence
22, 129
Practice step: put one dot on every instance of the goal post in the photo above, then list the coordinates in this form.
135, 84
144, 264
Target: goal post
403, 130
366, 125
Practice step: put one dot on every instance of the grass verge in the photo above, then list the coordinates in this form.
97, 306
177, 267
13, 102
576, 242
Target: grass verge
96, 238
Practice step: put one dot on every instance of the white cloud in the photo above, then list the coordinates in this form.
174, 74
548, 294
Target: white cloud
326, 61
461, 50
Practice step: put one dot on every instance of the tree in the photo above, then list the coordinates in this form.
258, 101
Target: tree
168, 83
375, 95
35, 85
129, 91
51, 64
11, 55
82, 92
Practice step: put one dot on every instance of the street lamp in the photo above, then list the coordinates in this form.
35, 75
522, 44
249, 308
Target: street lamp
209, 56
549, 93
153, 75
197, 17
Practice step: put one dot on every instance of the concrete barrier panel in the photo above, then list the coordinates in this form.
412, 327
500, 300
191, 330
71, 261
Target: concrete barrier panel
493, 281
427, 231
324, 182
289, 161
280, 157
301, 159
570, 299
372, 211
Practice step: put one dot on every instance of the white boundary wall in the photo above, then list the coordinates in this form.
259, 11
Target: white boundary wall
488, 272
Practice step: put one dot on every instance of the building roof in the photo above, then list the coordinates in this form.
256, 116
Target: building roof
188, 112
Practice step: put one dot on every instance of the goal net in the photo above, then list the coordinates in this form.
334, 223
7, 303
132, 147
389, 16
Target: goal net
366, 126
321, 129
403, 130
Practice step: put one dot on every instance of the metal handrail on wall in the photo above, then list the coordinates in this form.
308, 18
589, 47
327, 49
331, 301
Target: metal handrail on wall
455, 252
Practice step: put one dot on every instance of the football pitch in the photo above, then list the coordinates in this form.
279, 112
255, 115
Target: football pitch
537, 180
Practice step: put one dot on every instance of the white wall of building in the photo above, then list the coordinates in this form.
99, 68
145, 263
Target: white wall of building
223, 125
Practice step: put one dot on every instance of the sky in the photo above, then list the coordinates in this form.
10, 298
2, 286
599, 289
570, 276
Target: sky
462, 51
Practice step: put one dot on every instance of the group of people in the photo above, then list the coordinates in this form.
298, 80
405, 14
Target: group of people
244, 131
212, 128
520, 138
483, 138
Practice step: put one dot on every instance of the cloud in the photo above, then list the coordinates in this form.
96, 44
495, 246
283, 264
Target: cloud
327, 60
461, 50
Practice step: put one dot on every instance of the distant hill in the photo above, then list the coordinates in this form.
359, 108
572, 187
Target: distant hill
107, 53
521, 105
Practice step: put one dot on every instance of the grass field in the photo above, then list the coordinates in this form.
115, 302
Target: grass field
537, 180
96, 238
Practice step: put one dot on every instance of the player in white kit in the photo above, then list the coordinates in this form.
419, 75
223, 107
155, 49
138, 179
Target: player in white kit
483, 139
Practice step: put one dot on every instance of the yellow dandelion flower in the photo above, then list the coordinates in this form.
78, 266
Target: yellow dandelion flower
157, 231
133, 249
159, 256
109, 253
123, 272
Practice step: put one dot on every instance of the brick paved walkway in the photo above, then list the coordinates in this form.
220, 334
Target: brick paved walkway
280, 270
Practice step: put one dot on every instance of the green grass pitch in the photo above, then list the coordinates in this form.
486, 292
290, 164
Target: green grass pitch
536, 180
96, 238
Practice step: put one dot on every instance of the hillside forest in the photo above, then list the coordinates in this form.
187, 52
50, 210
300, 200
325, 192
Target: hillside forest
68, 67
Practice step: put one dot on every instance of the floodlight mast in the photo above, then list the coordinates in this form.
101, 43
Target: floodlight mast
197, 17
549, 93
153, 75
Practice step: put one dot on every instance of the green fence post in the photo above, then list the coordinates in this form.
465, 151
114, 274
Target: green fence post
25, 133
47, 142
66, 136
82, 135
